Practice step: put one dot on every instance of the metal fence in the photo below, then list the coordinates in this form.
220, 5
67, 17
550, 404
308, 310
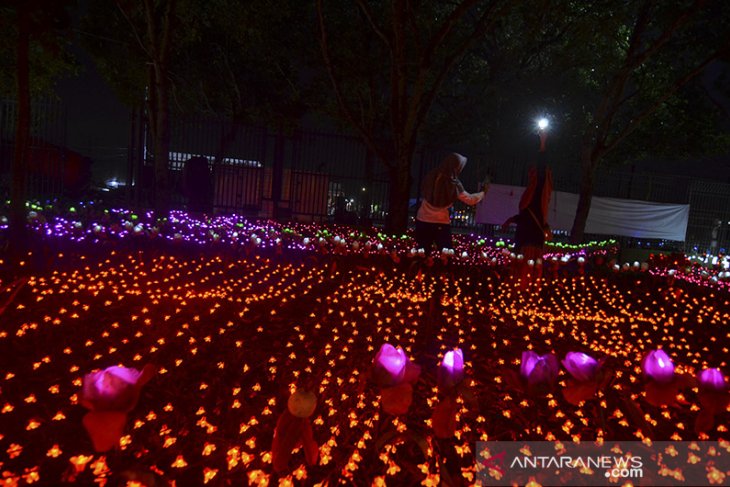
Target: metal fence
52, 168
319, 176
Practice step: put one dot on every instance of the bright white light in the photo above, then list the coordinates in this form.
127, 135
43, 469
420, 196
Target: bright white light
114, 183
542, 124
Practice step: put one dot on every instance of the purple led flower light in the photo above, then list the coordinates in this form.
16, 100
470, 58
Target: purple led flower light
451, 371
712, 379
110, 389
453, 362
538, 369
658, 366
582, 367
390, 364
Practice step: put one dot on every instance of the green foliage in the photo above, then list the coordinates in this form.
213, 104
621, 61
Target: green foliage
50, 38
686, 123
238, 60
254, 56
107, 36
561, 58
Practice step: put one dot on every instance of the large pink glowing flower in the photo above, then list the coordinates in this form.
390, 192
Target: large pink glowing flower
112, 389
713, 396
662, 385
450, 375
394, 372
712, 380
389, 367
109, 395
582, 367
659, 367
451, 371
586, 377
539, 369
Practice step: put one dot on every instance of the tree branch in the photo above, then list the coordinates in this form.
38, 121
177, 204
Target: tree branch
446, 27
369, 16
609, 105
233, 81
665, 36
398, 77
205, 97
721, 107
324, 46
167, 28
636, 121
614, 99
134, 31
483, 25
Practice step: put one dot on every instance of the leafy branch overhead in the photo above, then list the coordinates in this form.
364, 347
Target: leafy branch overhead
660, 50
418, 49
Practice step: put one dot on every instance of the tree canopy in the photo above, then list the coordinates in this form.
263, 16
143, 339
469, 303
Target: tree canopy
49, 57
621, 80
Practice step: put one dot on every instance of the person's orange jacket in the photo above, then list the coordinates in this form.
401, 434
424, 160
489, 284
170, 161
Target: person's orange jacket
547, 191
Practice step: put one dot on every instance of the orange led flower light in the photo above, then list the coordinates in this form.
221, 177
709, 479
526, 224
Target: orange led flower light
293, 429
234, 334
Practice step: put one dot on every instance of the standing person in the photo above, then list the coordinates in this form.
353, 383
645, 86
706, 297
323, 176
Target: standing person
532, 227
197, 185
440, 189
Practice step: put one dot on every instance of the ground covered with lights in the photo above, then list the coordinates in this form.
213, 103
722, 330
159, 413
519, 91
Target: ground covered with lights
232, 317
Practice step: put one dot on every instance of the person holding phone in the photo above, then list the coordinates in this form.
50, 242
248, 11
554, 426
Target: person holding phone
440, 189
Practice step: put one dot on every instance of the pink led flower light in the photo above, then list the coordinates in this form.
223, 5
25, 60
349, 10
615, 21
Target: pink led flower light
451, 371
390, 365
659, 367
109, 395
581, 366
713, 396
538, 369
587, 376
712, 379
450, 376
394, 372
662, 383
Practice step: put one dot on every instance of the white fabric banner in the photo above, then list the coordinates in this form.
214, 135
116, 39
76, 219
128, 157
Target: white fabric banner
608, 216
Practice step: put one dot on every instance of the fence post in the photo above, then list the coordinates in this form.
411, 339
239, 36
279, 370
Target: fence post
420, 175
367, 197
131, 153
277, 173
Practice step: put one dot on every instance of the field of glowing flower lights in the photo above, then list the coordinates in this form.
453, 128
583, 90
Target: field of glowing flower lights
230, 317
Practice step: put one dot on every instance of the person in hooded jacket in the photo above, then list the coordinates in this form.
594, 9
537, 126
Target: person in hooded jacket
440, 189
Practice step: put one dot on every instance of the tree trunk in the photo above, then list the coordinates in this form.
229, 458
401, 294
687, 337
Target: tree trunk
162, 141
228, 137
399, 196
577, 234
18, 232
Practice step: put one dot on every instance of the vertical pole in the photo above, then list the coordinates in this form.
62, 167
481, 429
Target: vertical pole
631, 180
277, 173
367, 198
130, 154
18, 190
420, 173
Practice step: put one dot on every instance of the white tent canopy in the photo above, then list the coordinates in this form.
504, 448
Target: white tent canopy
608, 216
